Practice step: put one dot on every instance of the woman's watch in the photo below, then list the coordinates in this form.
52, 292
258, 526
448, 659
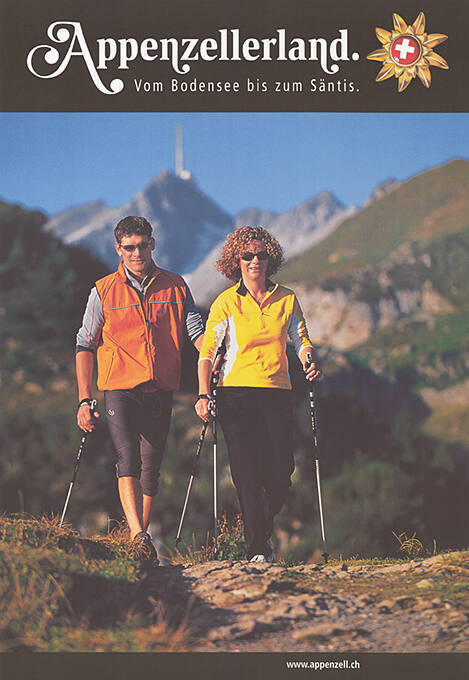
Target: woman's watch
203, 396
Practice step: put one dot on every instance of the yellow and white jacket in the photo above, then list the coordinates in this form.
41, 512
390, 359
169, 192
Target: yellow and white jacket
255, 336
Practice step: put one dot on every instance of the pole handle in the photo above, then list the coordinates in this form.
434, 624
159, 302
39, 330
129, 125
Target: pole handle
93, 406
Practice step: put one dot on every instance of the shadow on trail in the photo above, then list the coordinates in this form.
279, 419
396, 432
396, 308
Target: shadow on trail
170, 593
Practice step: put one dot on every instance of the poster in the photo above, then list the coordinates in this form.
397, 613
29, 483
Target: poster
247, 81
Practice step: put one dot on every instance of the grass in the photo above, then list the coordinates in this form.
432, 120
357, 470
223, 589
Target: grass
452, 580
449, 423
230, 545
419, 209
449, 334
187, 555
448, 581
61, 592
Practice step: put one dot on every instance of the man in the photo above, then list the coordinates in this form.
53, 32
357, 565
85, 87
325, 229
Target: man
135, 320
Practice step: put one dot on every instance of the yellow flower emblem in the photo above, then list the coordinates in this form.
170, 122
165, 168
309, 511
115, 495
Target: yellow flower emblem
407, 51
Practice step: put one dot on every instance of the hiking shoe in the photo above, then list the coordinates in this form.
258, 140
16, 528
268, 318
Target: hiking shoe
143, 546
259, 559
264, 559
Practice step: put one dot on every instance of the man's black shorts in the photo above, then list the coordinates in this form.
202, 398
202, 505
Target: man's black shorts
139, 424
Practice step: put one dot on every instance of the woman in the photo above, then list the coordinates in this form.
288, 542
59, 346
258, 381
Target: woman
254, 318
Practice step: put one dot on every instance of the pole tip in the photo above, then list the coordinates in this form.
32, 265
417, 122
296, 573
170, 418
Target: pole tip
326, 557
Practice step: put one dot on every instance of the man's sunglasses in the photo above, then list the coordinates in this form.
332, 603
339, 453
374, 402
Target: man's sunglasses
247, 257
131, 248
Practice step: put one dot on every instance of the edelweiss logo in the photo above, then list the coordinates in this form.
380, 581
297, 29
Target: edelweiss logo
111, 412
407, 52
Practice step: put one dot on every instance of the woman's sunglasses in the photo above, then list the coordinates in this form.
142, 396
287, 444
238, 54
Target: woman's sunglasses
131, 248
247, 257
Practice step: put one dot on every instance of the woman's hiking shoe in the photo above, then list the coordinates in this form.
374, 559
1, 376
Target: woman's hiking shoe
264, 559
260, 559
144, 548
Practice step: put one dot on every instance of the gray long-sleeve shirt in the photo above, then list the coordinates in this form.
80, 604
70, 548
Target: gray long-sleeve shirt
89, 335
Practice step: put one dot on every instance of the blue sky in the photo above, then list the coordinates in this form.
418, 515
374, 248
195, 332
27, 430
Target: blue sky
271, 161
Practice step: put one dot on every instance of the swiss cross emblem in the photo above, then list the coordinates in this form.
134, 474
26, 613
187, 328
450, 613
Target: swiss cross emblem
405, 50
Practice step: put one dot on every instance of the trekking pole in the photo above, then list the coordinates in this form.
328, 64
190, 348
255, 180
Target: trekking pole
213, 389
215, 376
314, 427
84, 439
195, 468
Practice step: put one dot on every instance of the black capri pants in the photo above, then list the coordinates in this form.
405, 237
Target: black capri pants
139, 424
258, 426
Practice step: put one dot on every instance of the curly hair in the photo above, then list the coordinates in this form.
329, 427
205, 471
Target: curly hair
238, 242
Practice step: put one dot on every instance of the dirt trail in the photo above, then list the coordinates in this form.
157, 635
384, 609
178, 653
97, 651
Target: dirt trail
416, 606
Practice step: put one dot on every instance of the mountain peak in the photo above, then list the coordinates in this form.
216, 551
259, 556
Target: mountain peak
325, 195
67, 221
185, 221
325, 200
381, 190
167, 178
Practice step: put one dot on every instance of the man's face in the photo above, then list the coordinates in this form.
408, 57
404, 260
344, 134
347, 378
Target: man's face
135, 251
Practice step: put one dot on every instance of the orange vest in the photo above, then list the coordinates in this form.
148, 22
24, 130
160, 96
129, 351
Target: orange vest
141, 341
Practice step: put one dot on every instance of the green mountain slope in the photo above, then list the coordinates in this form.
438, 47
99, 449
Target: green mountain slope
429, 205
390, 288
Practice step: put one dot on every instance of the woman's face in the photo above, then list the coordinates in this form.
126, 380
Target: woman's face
256, 269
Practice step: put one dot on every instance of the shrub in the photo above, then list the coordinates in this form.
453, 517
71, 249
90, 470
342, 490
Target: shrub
231, 544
